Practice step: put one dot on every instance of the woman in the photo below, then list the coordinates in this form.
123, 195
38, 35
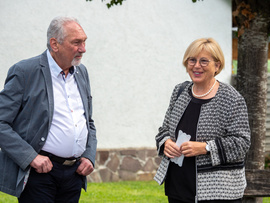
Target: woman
215, 115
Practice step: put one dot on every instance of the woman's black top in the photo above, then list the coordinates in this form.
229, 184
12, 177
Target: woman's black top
180, 182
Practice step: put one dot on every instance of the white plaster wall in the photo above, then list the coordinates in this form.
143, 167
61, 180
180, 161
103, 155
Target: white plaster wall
134, 54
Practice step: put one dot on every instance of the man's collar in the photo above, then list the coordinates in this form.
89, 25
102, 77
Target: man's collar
55, 69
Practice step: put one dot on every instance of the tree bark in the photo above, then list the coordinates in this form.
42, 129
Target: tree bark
252, 84
258, 184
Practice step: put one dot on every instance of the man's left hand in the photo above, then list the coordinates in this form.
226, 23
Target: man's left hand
85, 167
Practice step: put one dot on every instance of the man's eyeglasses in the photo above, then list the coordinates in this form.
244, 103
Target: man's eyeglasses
203, 61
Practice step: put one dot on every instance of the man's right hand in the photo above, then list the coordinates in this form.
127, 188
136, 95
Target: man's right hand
42, 164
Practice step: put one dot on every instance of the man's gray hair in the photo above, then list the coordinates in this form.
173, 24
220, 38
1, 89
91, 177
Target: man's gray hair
56, 29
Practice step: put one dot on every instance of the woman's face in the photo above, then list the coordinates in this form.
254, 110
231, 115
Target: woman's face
202, 68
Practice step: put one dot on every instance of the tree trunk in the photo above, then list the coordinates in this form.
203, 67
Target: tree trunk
252, 200
252, 84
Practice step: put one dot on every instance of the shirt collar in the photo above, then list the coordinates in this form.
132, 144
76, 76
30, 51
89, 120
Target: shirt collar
55, 69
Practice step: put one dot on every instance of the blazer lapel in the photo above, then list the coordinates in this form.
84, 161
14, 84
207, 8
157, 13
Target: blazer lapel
48, 79
82, 89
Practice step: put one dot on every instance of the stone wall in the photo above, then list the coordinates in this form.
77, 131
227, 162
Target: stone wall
125, 164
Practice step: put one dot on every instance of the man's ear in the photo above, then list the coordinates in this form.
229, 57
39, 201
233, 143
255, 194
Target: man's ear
54, 44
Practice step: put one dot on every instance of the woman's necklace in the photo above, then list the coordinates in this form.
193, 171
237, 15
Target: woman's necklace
202, 95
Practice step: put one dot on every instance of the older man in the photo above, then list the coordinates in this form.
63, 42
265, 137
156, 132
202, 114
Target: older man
47, 135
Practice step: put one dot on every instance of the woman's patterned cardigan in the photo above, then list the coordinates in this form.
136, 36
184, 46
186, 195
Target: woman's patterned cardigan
223, 123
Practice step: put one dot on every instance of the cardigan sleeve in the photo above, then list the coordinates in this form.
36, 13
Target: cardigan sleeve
163, 132
234, 144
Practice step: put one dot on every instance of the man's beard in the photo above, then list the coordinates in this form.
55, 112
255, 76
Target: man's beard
76, 62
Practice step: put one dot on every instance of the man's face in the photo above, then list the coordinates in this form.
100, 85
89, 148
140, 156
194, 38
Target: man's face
71, 50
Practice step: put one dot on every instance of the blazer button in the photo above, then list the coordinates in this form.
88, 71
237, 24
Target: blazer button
42, 139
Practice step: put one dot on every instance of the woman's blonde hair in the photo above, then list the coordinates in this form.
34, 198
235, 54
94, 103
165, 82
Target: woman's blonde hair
206, 44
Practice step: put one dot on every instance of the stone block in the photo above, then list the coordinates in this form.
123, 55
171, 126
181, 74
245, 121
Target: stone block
145, 176
103, 157
115, 177
158, 161
127, 175
151, 153
149, 166
105, 175
94, 177
113, 164
96, 164
130, 152
130, 164
141, 154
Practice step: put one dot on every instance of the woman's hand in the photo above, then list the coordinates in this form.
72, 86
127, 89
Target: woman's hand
171, 150
190, 148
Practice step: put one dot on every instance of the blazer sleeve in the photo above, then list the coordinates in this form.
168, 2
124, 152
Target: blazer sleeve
91, 146
11, 98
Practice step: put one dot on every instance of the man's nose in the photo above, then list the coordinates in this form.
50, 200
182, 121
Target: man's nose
81, 48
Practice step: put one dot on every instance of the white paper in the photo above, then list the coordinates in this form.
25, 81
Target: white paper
182, 137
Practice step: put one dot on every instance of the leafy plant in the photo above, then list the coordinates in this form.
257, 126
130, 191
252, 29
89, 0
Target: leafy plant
112, 2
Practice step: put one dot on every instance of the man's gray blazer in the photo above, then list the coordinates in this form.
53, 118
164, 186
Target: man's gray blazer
26, 111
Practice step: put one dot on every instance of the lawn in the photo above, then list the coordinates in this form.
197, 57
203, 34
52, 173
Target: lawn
124, 192
127, 191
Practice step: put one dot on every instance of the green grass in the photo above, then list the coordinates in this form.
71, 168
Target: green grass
127, 191
266, 200
124, 192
